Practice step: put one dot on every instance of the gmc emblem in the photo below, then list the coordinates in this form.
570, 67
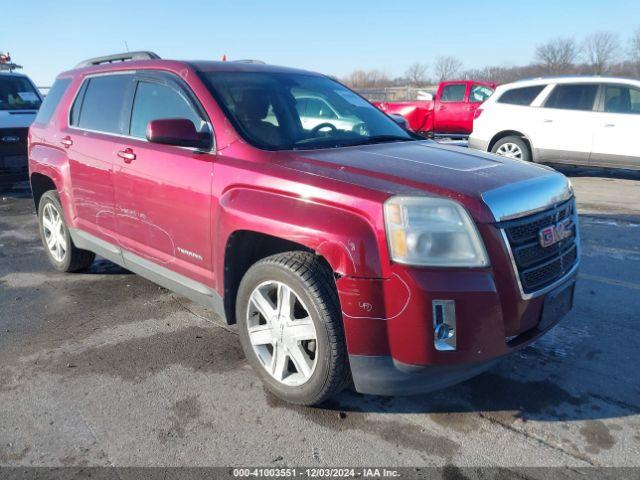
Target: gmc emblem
554, 233
10, 139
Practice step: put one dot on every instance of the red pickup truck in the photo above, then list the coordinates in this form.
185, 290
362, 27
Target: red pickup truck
345, 252
450, 113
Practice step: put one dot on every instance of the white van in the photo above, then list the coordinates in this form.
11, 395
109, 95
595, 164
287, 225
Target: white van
589, 121
19, 103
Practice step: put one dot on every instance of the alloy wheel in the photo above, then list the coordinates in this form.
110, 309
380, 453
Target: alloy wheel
282, 333
510, 150
54, 233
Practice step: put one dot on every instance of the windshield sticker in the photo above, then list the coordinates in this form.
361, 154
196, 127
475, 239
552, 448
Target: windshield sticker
28, 97
352, 98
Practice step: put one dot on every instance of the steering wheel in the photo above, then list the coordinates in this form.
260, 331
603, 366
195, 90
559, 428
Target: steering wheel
320, 126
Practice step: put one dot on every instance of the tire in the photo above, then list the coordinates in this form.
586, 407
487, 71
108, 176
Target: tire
512, 147
62, 253
325, 370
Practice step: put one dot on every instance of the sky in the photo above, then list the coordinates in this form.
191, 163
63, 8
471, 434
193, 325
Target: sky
330, 36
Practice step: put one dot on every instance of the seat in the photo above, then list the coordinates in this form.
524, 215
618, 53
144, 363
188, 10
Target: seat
252, 111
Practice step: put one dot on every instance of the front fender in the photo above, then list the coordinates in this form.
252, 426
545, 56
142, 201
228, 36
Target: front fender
345, 239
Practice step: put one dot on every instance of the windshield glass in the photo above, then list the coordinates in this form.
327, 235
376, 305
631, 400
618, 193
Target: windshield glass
17, 93
291, 111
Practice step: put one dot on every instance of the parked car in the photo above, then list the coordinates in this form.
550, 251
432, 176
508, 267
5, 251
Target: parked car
370, 256
19, 103
449, 113
576, 120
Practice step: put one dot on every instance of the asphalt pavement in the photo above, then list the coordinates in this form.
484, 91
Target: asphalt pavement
106, 368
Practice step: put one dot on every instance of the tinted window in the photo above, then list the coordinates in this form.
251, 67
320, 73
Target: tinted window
453, 93
521, 96
572, 97
102, 103
51, 100
620, 99
154, 101
262, 107
479, 93
17, 93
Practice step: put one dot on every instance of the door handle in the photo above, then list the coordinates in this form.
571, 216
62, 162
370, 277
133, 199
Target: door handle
66, 141
127, 155
609, 125
547, 120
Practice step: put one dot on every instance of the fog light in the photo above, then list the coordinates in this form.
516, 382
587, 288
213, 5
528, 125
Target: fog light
444, 324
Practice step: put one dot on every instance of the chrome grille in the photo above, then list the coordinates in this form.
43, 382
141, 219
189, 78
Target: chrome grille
538, 266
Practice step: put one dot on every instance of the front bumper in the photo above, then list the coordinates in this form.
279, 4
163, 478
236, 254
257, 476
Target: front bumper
382, 375
389, 327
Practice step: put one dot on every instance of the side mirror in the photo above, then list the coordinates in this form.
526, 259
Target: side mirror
400, 120
176, 131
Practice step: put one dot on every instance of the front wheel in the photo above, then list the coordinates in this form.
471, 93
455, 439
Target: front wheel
290, 326
512, 147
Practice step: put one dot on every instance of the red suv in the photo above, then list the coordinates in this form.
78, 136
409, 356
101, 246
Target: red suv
345, 252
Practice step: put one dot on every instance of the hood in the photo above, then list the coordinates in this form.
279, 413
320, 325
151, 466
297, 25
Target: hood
426, 167
17, 118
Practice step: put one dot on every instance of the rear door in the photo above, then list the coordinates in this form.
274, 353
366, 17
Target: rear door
615, 141
567, 120
163, 192
451, 109
96, 119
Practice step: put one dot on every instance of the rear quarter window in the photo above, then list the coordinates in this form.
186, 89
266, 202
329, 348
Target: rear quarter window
101, 107
52, 100
521, 96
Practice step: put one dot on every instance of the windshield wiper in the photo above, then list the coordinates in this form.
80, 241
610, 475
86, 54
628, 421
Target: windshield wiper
383, 139
311, 143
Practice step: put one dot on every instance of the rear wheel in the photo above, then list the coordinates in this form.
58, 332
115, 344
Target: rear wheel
290, 326
62, 253
512, 147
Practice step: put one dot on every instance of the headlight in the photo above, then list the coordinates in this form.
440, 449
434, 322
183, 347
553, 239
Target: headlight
433, 232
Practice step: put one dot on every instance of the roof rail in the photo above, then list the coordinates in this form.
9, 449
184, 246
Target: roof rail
249, 60
119, 57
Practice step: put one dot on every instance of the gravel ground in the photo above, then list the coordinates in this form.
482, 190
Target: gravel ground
106, 368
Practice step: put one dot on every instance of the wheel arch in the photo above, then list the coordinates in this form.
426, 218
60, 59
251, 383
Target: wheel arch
39, 185
512, 133
243, 249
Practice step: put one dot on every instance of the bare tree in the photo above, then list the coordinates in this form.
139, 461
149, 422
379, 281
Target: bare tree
367, 79
446, 68
416, 74
634, 50
557, 55
600, 50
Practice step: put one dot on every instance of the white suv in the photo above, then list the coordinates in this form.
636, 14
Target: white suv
576, 120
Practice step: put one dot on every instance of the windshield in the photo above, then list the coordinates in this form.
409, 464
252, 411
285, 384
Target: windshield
291, 111
17, 93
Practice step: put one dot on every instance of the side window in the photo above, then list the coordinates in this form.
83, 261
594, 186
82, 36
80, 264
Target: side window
453, 93
573, 97
102, 104
621, 99
154, 101
521, 96
479, 93
52, 100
